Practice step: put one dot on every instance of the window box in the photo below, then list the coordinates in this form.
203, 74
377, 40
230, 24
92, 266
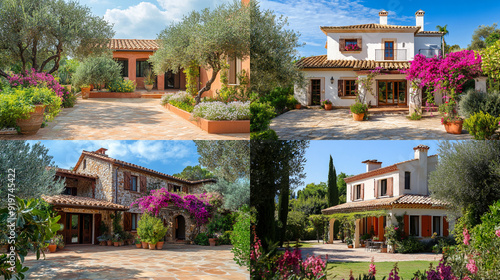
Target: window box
350, 45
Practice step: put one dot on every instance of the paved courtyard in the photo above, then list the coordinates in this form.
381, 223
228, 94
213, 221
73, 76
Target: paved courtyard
122, 119
316, 124
174, 262
339, 252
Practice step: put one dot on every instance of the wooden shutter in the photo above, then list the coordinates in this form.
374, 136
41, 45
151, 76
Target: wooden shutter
360, 43
126, 180
407, 224
341, 45
340, 87
353, 197
362, 191
74, 191
426, 226
184, 189
445, 226
97, 231
390, 186
143, 184
376, 188
127, 221
170, 188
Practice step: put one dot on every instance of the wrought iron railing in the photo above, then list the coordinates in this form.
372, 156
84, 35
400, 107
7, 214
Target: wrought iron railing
430, 52
389, 54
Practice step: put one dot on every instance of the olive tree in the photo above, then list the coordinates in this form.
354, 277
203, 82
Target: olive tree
38, 33
33, 168
96, 70
207, 38
467, 176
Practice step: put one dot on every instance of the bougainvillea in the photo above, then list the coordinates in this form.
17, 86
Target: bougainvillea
199, 206
33, 79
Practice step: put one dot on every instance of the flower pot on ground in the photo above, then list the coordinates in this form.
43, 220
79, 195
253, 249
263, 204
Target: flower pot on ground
31, 124
52, 248
349, 246
85, 92
298, 106
149, 79
152, 246
358, 110
327, 104
213, 241
144, 245
159, 245
383, 250
116, 243
453, 127
109, 243
138, 243
450, 119
148, 87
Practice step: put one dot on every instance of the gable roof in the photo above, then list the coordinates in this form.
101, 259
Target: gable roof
63, 200
376, 27
321, 61
71, 173
133, 45
138, 168
402, 201
378, 171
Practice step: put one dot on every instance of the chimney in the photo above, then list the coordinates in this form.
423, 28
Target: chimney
419, 15
101, 151
421, 152
421, 155
372, 164
383, 17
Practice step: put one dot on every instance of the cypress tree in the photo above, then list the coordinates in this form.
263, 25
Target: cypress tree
333, 192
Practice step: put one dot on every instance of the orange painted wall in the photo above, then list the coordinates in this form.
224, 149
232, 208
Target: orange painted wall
216, 85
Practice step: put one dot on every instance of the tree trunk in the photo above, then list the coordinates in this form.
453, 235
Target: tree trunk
208, 85
3, 74
283, 204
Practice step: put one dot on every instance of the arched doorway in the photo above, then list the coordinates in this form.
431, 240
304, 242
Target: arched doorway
180, 228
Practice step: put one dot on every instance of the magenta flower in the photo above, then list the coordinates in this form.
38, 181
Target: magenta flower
471, 266
372, 270
498, 230
466, 236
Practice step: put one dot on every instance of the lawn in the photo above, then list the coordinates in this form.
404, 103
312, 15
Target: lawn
406, 269
293, 244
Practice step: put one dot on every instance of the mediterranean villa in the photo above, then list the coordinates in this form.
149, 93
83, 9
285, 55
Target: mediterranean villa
399, 189
99, 186
352, 51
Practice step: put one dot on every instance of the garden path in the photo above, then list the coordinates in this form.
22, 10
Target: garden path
174, 262
122, 119
338, 251
318, 124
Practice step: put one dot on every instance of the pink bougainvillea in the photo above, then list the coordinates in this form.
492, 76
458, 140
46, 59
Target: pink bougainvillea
33, 79
498, 231
199, 206
466, 236
471, 266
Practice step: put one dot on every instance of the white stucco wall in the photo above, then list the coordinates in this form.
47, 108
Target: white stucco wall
370, 184
421, 212
370, 42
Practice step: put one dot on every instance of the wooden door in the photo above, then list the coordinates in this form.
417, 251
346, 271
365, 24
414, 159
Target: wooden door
315, 92
97, 223
86, 227
73, 228
389, 50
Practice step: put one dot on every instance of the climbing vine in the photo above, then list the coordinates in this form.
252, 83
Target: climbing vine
192, 72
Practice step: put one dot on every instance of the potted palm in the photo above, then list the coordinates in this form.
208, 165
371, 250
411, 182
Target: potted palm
149, 79
327, 104
358, 110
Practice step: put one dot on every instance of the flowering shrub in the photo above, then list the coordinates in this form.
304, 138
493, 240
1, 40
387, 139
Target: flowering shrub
353, 47
289, 265
181, 100
217, 111
326, 101
34, 79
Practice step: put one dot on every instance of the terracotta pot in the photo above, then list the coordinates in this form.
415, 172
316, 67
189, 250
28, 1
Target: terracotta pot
102, 243
91, 87
144, 245
363, 245
109, 242
358, 117
85, 92
138, 245
159, 245
328, 107
349, 246
453, 127
52, 248
60, 246
116, 244
212, 241
32, 124
298, 106
152, 246
383, 250
148, 87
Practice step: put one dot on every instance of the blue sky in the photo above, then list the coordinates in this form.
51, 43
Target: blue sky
164, 156
348, 154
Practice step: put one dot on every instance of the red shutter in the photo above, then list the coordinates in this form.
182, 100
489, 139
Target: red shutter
445, 226
362, 191
360, 43
97, 224
126, 180
341, 45
390, 184
143, 184
340, 86
426, 226
407, 224
127, 221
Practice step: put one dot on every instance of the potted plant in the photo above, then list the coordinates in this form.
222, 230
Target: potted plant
327, 104
59, 241
149, 79
450, 119
85, 91
159, 231
138, 243
52, 245
364, 238
349, 242
117, 239
102, 239
358, 110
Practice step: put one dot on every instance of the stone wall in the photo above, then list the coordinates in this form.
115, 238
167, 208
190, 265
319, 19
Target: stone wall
84, 187
104, 189
169, 215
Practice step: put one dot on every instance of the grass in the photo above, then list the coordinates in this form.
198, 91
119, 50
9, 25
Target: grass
406, 268
301, 244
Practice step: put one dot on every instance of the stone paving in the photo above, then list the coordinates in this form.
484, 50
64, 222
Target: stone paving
174, 262
122, 119
339, 252
317, 124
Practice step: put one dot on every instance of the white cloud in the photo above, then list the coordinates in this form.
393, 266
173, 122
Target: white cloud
146, 20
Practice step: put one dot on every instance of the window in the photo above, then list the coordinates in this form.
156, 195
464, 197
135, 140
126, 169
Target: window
358, 191
414, 225
84, 164
383, 187
350, 87
436, 225
350, 44
177, 188
124, 66
141, 67
133, 183
407, 180
133, 217
70, 191
234, 69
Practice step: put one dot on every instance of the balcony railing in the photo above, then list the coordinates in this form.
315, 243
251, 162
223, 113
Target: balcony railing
388, 54
430, 52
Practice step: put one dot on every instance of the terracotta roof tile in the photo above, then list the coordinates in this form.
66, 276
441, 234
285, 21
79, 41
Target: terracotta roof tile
138, 167
408, 200
431, 32
82, 202
133, 45
375, 26
321, 61
62, 171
